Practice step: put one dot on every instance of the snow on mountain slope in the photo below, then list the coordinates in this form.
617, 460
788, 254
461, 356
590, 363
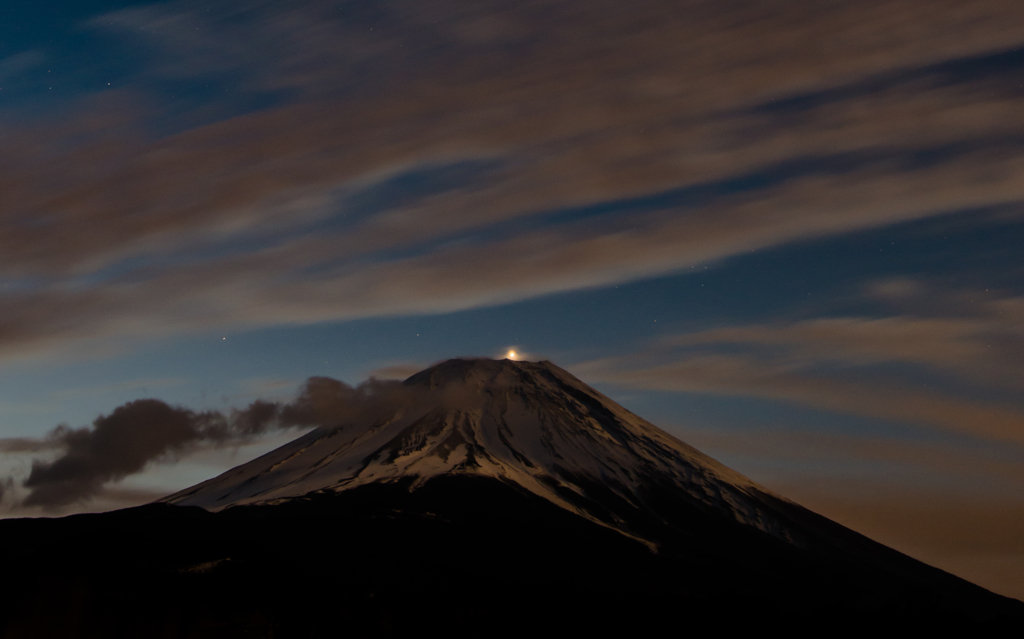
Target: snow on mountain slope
527, 423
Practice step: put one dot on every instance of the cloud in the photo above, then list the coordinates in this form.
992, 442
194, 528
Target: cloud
19, 63
617, 145
117, 445
273, 286
882, 367
780, 453
149, 431
745, 376
127, 440
24, 445
931, 359
976, 335
270, 46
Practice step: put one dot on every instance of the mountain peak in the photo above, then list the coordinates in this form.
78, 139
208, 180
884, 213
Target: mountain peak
481, 373
532, 425
468, 369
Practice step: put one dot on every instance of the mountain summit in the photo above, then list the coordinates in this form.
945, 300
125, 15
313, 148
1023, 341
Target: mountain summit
527, 424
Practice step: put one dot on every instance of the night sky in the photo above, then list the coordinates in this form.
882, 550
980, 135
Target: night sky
789, 233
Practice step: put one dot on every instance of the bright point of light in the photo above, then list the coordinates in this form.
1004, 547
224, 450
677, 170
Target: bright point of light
511, 354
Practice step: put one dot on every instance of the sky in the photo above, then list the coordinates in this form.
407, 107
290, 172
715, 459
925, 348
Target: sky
788, 233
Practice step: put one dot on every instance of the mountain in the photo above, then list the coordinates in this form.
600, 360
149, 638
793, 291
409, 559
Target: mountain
479, 497
529, 425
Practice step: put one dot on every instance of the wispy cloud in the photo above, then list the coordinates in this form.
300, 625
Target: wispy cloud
744, 376
980, 341
833, 363
668, 135
19, 63
782, 453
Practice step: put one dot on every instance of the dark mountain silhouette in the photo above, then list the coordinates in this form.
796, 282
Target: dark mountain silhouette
483, 498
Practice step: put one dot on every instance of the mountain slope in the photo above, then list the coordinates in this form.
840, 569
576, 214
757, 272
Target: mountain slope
529, 424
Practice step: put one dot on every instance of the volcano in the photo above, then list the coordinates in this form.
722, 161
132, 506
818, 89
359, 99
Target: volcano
477, 497
530, 426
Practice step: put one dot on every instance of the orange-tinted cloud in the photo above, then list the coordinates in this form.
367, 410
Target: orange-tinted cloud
979, 342
745, 376
707, 129
950, 361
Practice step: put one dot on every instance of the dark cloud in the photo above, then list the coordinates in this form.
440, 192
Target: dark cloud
24, 445
327, 402
117, 445
148, 431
